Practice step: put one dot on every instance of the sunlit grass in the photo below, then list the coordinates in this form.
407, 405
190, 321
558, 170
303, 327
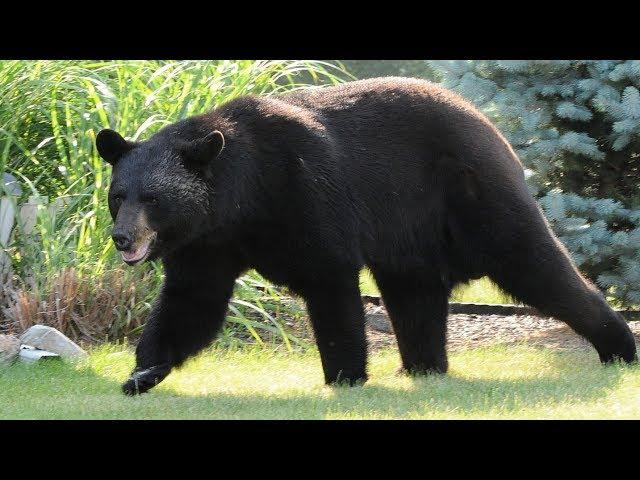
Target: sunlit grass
482, 290
257, 383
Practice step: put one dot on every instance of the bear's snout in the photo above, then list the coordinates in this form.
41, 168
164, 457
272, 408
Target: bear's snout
134, 249
122, 241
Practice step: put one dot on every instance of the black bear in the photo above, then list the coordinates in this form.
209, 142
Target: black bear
308, 187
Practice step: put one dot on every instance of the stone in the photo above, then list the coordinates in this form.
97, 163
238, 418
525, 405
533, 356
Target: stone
30, 354
9, 349
10, 185
51, 340
379, 322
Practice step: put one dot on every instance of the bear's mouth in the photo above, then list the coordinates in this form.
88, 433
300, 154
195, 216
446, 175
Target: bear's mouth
140, 252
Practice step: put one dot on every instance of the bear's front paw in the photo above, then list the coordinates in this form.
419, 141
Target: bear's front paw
422, 370
141, 381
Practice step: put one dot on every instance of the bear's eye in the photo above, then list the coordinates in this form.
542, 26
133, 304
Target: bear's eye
149, 199
117, 200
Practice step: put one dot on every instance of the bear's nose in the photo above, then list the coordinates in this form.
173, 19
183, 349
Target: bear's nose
123, 242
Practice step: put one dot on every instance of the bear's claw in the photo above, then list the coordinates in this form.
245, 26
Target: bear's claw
141, 381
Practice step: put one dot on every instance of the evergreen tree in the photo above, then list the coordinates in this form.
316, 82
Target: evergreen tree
576, 127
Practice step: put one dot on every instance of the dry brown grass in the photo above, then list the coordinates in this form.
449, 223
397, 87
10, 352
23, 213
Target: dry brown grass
87, 309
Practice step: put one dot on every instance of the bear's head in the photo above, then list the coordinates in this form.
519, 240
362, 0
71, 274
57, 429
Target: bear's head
159, 196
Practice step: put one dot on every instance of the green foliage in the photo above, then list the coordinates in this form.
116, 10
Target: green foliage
50, 113
576, 126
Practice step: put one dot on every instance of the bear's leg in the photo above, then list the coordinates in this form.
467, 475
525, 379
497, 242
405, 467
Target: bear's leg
188, 314
418, 312
533, 266
337, 316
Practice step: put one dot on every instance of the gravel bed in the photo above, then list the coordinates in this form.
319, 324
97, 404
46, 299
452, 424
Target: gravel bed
467, 331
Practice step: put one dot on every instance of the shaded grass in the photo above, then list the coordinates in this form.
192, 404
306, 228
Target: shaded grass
254, 383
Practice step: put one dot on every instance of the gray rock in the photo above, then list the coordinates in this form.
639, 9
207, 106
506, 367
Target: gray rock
379, 322
9, 349
30, 354
51, 340
10, 185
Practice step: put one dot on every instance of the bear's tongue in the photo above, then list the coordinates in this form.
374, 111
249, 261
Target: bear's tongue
138, 253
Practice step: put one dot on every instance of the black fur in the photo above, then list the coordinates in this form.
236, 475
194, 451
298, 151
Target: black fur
396, 174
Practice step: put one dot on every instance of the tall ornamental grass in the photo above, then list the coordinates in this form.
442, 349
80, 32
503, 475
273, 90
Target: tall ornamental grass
66, 271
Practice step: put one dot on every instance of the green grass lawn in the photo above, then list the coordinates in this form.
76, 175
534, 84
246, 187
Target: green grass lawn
252, 383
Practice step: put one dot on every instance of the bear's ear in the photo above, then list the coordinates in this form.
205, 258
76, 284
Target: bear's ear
111, 146
199, 153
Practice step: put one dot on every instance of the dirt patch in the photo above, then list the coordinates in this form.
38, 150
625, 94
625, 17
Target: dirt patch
468, 331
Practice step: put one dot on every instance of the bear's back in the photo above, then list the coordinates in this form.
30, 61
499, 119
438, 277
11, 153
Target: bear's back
387, 93
403, 121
